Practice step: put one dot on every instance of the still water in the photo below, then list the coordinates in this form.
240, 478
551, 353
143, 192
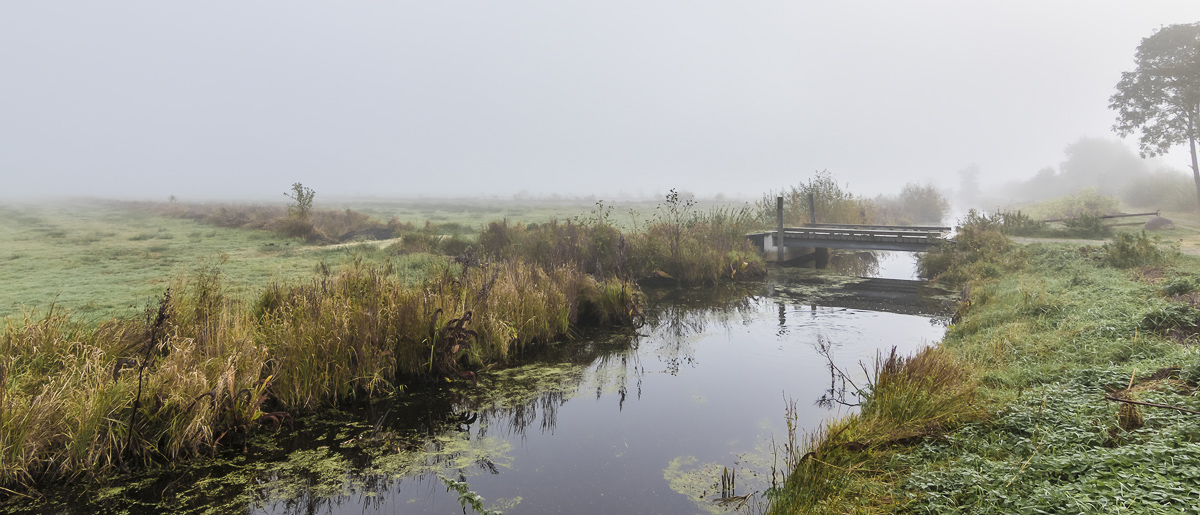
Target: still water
634, 421
637, 422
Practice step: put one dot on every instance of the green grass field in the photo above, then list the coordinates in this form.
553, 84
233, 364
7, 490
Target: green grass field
101, 259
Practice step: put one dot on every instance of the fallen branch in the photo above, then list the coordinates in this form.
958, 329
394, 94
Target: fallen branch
1151, 404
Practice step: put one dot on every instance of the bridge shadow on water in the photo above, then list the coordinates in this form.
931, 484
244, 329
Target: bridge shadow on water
867, 280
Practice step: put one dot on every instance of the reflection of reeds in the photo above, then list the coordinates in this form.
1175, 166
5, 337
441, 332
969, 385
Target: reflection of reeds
206, 366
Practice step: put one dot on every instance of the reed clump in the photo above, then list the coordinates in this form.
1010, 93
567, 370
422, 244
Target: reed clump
205, 368
85, 401
677, 244
842, 468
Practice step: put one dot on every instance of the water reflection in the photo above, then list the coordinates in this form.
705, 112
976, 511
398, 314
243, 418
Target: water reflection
702, 394
855, 263
644, 422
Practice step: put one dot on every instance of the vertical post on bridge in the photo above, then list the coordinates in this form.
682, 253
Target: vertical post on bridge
779, 228
812, 209
820, 254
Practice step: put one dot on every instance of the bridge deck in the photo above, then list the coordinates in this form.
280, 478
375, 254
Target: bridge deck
862, 237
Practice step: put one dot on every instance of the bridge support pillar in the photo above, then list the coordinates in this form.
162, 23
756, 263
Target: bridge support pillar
821, 257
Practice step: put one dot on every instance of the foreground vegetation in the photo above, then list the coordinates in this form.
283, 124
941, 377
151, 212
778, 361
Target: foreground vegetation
211, 361
204, 368
1019, 409
252, 320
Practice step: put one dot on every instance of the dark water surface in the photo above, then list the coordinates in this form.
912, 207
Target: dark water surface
625, 422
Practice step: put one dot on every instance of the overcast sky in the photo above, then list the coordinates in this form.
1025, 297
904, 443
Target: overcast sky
449, 98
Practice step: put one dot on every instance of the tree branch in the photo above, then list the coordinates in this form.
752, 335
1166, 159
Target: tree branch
1151, 404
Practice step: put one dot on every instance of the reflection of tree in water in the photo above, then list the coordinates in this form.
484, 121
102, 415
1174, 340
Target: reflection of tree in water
675, 317
855, 263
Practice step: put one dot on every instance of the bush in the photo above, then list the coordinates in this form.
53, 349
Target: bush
1086, 226
1129, 250
978, 250
833, 203
915, 205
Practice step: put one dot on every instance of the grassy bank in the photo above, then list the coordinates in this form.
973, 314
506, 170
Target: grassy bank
206, 368
212, 359
1011, 412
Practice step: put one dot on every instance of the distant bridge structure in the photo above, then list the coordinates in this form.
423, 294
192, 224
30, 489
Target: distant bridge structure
813, 240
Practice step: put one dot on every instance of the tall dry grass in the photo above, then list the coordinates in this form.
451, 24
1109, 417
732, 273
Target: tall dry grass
677, 243
205, 368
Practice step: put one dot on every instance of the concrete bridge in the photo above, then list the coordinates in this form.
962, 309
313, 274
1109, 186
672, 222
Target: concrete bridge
813, 240
818, 238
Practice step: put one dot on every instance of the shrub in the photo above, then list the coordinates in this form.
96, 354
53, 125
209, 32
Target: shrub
833, 203
678, 243
978, 250
1086, 226
302, 201
1133, 249
916, 204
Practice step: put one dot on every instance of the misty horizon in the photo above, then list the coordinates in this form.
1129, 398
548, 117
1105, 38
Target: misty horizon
143, 100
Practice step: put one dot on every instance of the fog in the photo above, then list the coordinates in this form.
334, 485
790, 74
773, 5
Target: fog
457, 98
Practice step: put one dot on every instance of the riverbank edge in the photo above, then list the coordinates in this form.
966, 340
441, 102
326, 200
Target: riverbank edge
1026, 308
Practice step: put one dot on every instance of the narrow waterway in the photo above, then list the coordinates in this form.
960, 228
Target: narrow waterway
645, 421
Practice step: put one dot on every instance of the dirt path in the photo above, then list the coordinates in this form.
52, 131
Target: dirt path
1025, 240
1188, 244
377, 243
